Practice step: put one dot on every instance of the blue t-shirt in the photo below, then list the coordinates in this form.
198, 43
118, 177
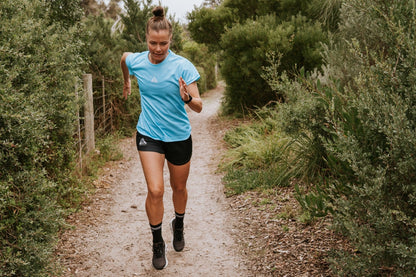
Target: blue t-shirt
163, 115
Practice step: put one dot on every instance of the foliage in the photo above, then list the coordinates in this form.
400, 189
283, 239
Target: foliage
374, 139
103, 56
135, 19
112, 10
245, 47
350, 137
256, 156
39, 60
201, 57
67, 13
207, 25
45, 46
248, 30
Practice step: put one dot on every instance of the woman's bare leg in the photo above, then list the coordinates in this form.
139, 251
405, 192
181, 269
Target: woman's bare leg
152, 164
178, 178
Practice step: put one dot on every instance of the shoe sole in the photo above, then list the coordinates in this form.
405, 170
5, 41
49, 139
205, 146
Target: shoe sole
171, 230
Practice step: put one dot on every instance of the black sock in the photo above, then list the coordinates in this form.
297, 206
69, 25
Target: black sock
156, 232
179, 220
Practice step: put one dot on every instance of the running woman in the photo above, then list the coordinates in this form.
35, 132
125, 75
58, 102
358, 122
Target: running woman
167, 83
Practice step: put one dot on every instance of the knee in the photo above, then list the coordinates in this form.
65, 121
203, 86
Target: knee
155, 194
179, 189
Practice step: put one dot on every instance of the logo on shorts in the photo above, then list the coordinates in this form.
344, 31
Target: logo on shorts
142, 142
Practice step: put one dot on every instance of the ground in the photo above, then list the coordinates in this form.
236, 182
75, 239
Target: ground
253, 234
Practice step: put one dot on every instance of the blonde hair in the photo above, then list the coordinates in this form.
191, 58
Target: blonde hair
158, 21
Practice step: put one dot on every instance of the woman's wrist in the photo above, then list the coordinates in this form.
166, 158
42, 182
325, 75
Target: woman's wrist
189, 99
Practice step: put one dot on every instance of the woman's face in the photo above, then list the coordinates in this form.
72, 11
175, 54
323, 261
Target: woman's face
158, 44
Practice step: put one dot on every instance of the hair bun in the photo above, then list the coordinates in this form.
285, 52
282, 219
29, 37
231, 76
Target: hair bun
158, 11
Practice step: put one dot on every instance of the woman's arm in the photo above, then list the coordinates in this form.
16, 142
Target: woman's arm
188, 92
126, 75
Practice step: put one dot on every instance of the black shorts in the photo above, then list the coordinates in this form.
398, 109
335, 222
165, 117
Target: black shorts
177, 152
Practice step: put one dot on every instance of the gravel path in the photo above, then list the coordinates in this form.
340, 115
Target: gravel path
112, 235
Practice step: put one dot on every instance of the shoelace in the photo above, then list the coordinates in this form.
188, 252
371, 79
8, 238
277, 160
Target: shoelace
179, 234
158, 249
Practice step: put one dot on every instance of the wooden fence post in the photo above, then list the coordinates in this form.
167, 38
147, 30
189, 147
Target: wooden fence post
78, 128
103, 88
89, 114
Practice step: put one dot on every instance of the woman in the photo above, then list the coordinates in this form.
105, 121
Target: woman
167, 83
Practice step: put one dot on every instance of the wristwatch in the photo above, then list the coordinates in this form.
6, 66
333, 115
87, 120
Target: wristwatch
189, 100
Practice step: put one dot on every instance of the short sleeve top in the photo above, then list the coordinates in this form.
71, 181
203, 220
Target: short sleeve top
163, 116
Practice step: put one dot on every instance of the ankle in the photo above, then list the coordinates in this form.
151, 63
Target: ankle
179, 220
157, 232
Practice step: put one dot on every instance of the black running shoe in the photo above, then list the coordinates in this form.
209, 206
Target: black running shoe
178, 239
159, 257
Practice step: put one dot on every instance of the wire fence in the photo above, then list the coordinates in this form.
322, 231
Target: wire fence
95, 113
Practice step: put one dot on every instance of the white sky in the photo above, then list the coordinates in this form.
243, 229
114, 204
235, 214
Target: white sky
180, 7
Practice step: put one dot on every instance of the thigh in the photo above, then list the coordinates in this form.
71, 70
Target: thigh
152, 164
179, 175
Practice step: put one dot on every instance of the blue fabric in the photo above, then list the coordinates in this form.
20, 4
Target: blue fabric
163, 115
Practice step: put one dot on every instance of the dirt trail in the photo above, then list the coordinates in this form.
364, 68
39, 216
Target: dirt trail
112, 236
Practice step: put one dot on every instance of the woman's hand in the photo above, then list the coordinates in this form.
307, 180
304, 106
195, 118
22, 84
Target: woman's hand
127, 88
126, 75
190, 95
183, 89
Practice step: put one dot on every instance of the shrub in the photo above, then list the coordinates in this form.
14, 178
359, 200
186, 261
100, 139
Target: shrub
351, 137
244, 56
39, 59
205, 61
366, 133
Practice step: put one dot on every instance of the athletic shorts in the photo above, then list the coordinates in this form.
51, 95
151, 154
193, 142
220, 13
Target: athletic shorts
177, 152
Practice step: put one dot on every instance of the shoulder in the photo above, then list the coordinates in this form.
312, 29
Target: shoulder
138, 57
180, 60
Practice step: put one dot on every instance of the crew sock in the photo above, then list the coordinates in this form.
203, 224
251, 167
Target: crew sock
179, 220
157, 232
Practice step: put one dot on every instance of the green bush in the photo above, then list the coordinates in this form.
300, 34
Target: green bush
244, 56
207, 25
351, 139
373, 144
39, 60
366, 133
205, 61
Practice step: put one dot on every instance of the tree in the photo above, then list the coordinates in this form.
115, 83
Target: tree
135, 19
113, 9
67, 12
207, 25
212, 3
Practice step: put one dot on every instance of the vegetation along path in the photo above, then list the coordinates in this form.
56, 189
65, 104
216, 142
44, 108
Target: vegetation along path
112, 235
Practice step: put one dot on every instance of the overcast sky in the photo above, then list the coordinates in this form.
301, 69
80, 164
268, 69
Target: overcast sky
177, 7
180, 7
